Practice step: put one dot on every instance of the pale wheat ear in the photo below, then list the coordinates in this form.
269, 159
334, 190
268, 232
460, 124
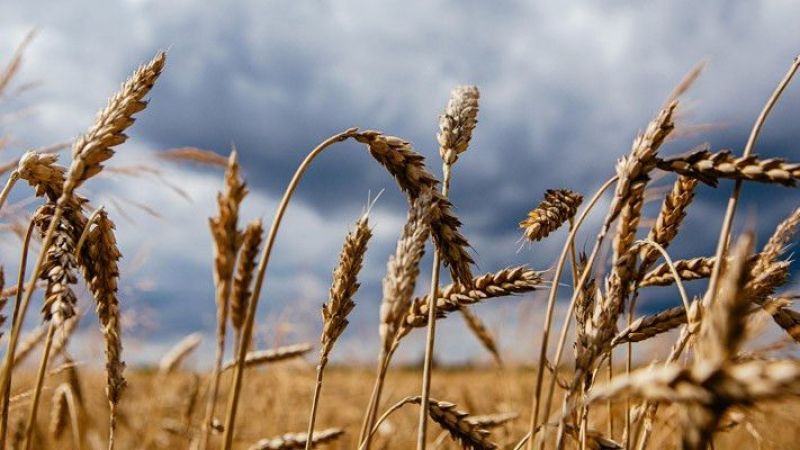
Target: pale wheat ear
291, 441
175, 356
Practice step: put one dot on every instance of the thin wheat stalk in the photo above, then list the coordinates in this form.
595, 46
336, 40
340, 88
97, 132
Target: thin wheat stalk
340, 304
633, 174
402, 272
552, 299
65, 408
12, 357
93, 217
455, 132
247, 328
226, 239
38, 386
482, 332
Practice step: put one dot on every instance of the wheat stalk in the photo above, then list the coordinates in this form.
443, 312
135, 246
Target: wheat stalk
65, 408
402, 272
226, 239
632, 177
340, 303
482, 332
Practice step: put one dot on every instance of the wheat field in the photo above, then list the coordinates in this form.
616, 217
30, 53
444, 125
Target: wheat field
589, 385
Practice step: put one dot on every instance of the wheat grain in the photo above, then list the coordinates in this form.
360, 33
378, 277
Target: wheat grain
709, 167
456, 124
294, 441
345, 284
60, 267
558, 206
402, 271
240, 294
512, 280
669, 219
260, 357
688, 269
408, 168
93, 148
650, 326
470, 436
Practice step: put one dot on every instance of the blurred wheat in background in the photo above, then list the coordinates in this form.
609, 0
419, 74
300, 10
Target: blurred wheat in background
713, 389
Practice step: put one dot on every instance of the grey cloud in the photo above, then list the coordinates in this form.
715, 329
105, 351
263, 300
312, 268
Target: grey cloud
565, 89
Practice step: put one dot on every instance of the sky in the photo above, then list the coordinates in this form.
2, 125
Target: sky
565, 88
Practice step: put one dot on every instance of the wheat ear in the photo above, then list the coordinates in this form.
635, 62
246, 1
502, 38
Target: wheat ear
340, 303
632, 175
298, 441
226, 239
457, 423
240, 294
247, 327
260, 357
65, 408
174, 357
558, 207
402, 272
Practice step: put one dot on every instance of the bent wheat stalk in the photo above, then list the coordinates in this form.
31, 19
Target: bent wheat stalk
552, 299
247, 327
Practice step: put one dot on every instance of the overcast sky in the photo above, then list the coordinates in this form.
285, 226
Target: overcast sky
564, 90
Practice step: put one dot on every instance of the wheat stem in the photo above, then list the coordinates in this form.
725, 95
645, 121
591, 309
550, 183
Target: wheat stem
37, 393
12, 343
551, 304
12, 179
247, 329
85, 233
429, 341
727, 221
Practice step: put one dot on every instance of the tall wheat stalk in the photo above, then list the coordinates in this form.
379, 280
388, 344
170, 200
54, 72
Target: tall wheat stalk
340, 304
455, 132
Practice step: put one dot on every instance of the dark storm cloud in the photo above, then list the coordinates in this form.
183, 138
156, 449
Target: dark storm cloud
565, 89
